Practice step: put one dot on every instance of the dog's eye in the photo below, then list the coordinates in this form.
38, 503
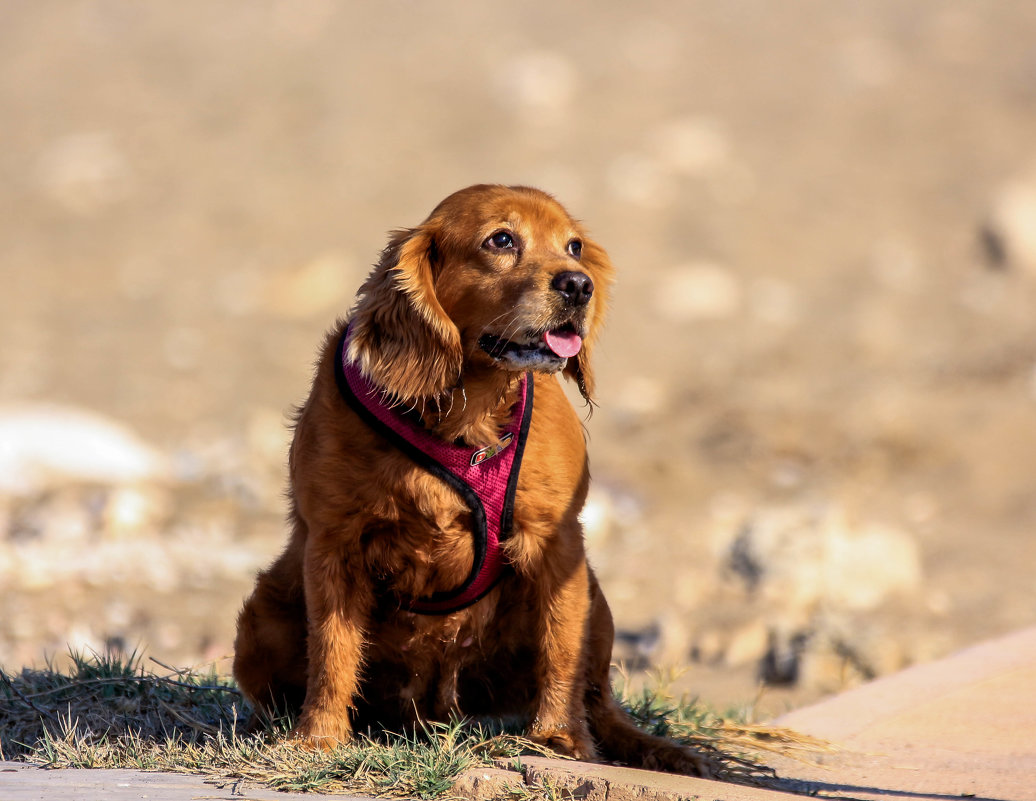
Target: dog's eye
501, 240
575, 248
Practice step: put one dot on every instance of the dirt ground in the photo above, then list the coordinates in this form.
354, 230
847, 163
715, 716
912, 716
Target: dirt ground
823, 214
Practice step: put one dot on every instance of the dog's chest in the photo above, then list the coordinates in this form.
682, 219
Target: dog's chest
424, 545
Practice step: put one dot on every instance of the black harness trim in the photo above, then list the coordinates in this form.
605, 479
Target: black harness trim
479, 531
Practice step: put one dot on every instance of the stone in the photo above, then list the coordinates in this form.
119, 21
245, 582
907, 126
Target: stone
608, 511
1009, 234
135, 511
810, 596
653, 45
698, 291
184, 347
85, 172
268, 435
774, 302
539, 80
868, 62
487, 784
896, 264
641, 180
692, 146
46, 444
641, 396
800, 556
323, 284
747, 644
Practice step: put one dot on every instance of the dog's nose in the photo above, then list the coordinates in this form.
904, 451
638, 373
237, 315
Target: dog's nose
576, 288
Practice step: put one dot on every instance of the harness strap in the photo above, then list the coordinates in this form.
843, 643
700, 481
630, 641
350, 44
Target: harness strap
486, 478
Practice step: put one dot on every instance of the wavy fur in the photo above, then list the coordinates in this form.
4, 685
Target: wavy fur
326, 631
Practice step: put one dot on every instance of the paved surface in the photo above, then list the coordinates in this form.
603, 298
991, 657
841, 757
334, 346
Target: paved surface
22, 782
961, 727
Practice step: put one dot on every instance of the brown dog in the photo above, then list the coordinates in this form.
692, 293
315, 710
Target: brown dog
419, 582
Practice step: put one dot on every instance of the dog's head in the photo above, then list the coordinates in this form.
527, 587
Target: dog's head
496, 276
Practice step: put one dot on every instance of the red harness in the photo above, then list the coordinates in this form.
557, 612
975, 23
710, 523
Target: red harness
486, 478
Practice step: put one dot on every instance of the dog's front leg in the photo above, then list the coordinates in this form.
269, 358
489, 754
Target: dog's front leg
338, 606
560, 720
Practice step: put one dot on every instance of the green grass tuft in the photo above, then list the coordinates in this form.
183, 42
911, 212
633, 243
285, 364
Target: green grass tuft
110, 711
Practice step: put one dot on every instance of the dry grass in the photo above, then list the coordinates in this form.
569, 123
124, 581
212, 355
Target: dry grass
735, 744
110, 711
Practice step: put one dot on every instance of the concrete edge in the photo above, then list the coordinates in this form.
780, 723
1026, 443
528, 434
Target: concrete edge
505, 781
595, 782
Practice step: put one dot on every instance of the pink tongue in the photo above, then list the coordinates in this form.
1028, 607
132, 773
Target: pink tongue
564, 343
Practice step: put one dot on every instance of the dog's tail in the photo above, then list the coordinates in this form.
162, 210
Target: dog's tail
617, 737
619, 740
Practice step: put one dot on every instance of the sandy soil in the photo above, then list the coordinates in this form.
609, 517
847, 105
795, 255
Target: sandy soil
824, 218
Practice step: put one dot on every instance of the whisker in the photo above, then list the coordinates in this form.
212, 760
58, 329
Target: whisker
515, 321
441, 415
490, 322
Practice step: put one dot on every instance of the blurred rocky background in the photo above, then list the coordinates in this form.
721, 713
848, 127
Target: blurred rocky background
815, 452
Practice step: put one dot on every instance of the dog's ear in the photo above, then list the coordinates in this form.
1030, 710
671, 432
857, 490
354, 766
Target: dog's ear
599, 267
401, 338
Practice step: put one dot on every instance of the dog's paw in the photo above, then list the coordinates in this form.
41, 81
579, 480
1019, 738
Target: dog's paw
322, 735
682, 759
566, 739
